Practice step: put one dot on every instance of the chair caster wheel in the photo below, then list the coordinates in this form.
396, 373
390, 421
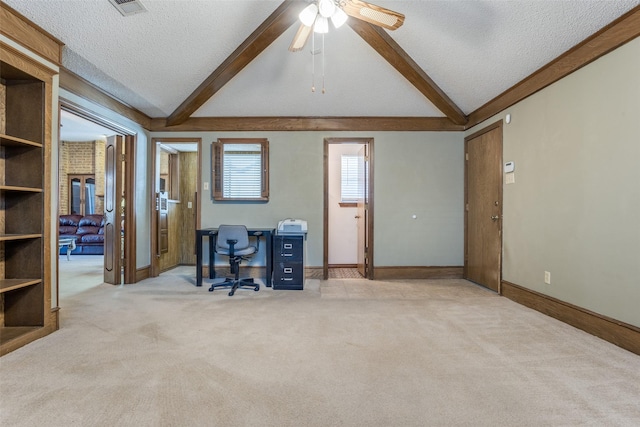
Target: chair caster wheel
231, 293
211, 288
257, 288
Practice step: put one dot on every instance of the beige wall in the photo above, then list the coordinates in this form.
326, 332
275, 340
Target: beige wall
414, 173
573, 210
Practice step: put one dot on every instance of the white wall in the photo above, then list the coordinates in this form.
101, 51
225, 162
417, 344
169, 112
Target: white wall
414, 173
573, 210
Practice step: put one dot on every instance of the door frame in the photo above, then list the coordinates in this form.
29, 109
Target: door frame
154, 186
325, 252
130, 142
489, 128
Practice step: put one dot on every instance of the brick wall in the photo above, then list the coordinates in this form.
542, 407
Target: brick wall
81, 158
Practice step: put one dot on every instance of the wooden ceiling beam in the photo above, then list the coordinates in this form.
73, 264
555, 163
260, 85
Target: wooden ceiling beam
364, 124
391, 51
277, 23
87, 90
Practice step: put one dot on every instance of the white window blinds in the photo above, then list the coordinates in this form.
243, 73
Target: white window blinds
350, 190
242, 171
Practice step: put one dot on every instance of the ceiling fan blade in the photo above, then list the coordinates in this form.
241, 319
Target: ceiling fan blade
373, 14
300, 39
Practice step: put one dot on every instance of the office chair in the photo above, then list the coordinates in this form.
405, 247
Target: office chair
233, 241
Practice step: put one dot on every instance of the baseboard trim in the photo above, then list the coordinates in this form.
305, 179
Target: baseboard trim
616, 332
143, 273
387, 273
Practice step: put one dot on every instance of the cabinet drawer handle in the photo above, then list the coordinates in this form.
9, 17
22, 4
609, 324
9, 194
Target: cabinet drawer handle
288, 270
287, 254
288, 245
286, 279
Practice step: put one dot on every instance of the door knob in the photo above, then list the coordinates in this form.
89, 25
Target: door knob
357, 216
495, 217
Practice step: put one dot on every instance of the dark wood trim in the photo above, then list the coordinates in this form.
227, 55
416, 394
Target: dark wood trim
404, 273
129, 185
231, 124
486, 129
142, 273
614, 35
325, 210
348, 204
20, 29
616, 332
84, 89
277, 23
370, 239
391, 51
342, 266
325, 221
154, 267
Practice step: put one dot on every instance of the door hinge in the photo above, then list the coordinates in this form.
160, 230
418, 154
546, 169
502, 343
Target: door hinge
466, 156
466, 207
124, 157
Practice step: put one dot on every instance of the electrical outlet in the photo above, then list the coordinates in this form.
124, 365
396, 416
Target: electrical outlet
205, 185
547, 277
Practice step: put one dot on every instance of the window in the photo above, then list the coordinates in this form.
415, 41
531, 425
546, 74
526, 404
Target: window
350, 191
241, 169
82, 193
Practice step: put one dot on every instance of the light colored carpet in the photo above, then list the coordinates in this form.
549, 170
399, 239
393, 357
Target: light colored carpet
340, 353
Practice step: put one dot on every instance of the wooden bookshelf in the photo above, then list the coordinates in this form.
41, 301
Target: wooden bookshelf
25, 138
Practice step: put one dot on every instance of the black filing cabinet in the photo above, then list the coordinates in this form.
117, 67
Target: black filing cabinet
288, 261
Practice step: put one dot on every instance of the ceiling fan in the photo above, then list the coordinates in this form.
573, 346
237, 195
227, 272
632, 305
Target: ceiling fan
315, 18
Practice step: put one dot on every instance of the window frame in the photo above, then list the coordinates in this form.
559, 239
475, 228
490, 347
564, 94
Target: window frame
217, 154
348, 202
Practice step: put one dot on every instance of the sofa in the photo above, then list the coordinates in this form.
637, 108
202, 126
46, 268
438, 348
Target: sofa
88, 231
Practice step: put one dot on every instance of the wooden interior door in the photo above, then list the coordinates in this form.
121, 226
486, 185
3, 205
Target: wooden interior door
362, 216
483, 206
112, 209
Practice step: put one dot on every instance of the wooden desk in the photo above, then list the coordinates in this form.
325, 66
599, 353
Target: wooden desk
212, 234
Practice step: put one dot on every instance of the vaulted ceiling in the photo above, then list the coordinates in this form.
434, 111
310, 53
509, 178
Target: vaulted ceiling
214, 58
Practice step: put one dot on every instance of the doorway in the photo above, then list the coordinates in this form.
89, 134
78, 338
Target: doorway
78, 125
348, 208
483, 207
176, 216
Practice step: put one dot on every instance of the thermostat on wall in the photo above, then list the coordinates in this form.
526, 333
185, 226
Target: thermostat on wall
509, 167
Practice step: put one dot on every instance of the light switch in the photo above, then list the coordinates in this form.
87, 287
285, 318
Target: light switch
189, 205
205, 185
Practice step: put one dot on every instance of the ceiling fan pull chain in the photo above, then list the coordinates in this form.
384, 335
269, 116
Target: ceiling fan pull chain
313, 62
323, 90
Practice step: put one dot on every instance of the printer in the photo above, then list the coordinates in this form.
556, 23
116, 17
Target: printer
292, 226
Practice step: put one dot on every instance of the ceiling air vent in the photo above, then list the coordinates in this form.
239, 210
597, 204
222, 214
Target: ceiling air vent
128, 7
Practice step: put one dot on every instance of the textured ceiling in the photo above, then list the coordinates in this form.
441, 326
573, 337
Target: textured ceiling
473, 50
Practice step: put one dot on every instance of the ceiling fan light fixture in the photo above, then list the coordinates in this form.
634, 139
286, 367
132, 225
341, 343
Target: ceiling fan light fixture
322, 25
339, 17
308, 14
326, 8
